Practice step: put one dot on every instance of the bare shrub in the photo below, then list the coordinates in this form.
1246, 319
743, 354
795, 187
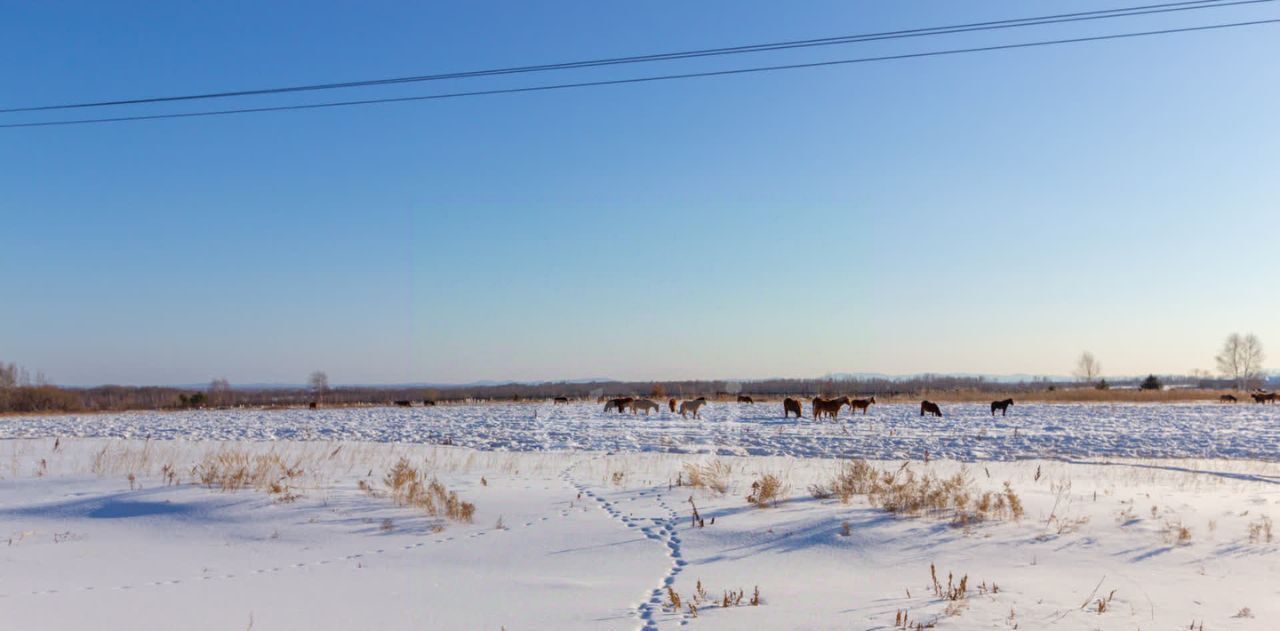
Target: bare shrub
1260, 531
905, 492
767, 491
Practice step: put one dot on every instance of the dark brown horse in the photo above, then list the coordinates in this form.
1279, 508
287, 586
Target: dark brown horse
1227, 398
1003, 406
929, 407
428, 403
618, 405
790, 405
828, 407
1264, 397
671, 403
861, 404
312, 405
404, 404
742, 398
560, 400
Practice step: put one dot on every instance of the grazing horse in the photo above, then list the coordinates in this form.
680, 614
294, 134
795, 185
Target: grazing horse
404, 404
790, 405
861, 404
428, 403
643, 404
618, 404
671, 403
930, 408
1227, 398
1003, 406
560, 400
828, 407
745, 399
312, 405
691, 407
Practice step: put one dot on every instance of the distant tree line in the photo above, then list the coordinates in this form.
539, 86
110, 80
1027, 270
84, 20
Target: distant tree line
1239, 367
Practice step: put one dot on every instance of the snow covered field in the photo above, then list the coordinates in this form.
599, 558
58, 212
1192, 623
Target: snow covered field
582, 521
967, 432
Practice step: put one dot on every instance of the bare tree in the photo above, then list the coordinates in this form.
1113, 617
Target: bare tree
1241, 359
1087, 367
220, 392
319, 384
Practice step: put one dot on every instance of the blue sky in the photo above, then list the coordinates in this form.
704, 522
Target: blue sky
996, 212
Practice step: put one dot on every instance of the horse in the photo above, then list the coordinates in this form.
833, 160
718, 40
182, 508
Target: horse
745, 399
428, 403
1227, 398
930, 407
1003, 406
618, 404
404, 404
692, 407
643, 404
828, 407
671, 403
312, 405
861, 404
790, 405
560, 400
1264, 397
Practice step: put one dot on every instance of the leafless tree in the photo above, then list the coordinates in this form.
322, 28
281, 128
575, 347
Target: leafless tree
1087, 367
220, 392
319, 384
1241, 359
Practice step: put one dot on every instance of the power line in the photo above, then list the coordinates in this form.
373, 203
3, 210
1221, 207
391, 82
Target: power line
752, 48
669, 77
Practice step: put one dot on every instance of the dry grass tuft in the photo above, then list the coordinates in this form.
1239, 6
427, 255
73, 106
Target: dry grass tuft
409, 487
232, 470
904, 492
767, 491
1260, 531
713, 476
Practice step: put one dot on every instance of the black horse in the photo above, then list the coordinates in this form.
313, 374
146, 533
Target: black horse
930, 408
1003, 406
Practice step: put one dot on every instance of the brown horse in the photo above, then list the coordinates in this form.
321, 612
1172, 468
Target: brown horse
1227, 398
1003, 406
828, 407
745, 399
930, 408
671, 403
312, 405
428, 403
692, 407
861, 404
618, 405
1264, 397
404, 404
790, 405
560, 400
643, 404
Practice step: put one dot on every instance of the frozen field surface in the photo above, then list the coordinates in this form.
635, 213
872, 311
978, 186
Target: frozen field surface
968, 432
117, 535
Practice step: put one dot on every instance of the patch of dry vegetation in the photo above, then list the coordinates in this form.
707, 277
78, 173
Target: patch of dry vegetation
767, 491
410, 487
713, 476
905, 492
234, 470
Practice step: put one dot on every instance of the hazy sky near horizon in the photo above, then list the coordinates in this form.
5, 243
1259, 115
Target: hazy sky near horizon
996, 212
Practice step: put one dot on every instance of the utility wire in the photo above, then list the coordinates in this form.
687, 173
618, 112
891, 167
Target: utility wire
752, 48
691, 75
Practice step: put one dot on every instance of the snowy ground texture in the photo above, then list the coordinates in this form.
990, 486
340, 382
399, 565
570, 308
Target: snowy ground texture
968, 431
103, 529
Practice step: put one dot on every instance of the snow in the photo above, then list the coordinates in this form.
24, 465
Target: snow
968, 431
596, 524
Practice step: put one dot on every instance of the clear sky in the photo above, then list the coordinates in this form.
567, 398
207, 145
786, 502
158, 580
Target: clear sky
995, 212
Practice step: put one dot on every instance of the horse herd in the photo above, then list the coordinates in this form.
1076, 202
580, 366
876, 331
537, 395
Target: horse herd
1259, 396
822, 408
